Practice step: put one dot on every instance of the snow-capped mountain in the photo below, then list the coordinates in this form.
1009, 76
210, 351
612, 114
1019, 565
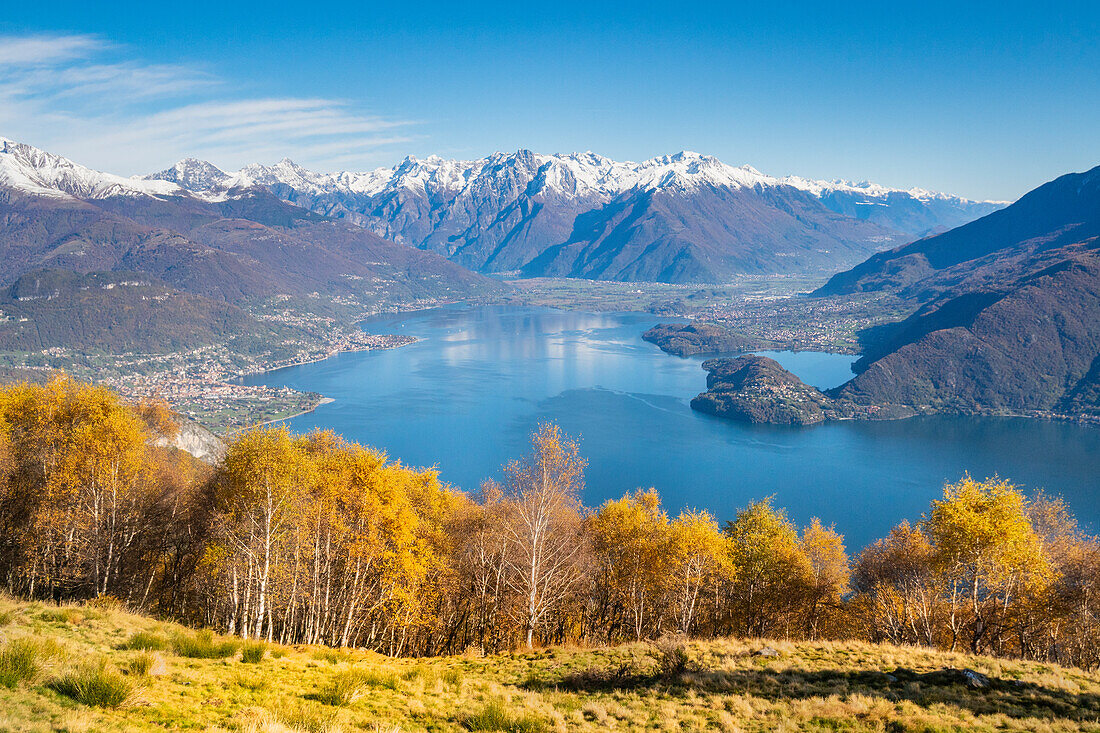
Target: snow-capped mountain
27, 169
917, 212
677, 218
60, 215
573, 175
684, 217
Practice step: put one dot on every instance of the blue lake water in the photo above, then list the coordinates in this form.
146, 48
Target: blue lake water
466, 397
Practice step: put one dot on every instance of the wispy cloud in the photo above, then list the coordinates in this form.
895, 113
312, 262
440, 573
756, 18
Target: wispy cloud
82, 97
23, 51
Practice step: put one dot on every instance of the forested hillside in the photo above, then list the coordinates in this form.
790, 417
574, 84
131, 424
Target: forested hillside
1007, 312
311, 539
116, 313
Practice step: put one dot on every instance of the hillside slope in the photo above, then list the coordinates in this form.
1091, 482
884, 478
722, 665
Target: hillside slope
721, 685
1007, 315
115, 312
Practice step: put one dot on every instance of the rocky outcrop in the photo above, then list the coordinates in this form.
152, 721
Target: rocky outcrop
756, 389
196, 440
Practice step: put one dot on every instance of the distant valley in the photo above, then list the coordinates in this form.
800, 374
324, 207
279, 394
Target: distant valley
231, 273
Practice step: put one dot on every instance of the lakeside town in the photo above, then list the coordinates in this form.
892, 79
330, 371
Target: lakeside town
205, 390
204, 384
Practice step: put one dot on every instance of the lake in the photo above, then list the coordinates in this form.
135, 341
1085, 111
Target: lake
466, 397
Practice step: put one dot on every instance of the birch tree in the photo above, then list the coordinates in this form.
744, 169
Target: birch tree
544, 523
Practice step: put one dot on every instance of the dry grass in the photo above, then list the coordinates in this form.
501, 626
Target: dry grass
253, 652
94, 683
714, 685
26, 659
204, 645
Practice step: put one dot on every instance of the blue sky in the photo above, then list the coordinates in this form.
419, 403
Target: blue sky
987, 100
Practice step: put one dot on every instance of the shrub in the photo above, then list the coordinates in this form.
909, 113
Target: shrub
496, 716
105, 603
94, 684
672, 656
146, 641
347, 687
203, 645
24, 659
252, 652
453, 677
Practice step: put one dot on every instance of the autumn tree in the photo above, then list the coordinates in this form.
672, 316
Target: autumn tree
630, 543
697, 561
830, 573
544, 523
1062, 623
80, 489
990, 555
897, 579
263, 480
771, 571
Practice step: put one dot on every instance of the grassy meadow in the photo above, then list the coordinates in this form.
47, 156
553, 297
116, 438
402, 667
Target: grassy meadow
98, 668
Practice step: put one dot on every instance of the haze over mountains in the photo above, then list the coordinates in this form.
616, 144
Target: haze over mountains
678, 218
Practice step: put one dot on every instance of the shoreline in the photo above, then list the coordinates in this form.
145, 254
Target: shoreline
322, 401
319, 359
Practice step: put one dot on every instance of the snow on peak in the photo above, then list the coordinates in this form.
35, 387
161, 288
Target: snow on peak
30, 170
192, 174
567, 175
873, 190
688, 170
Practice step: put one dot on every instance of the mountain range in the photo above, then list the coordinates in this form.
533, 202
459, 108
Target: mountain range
677, 218
56, 215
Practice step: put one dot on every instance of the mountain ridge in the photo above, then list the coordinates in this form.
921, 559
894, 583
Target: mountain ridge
582, 214
205, 260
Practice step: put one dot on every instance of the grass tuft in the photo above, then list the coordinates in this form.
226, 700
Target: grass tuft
296, 717
252, 683
252, 652
496, 716
62, 615
95, 684
347, 687
23, 660
146, 641
330, 655
203, 645
146, 664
